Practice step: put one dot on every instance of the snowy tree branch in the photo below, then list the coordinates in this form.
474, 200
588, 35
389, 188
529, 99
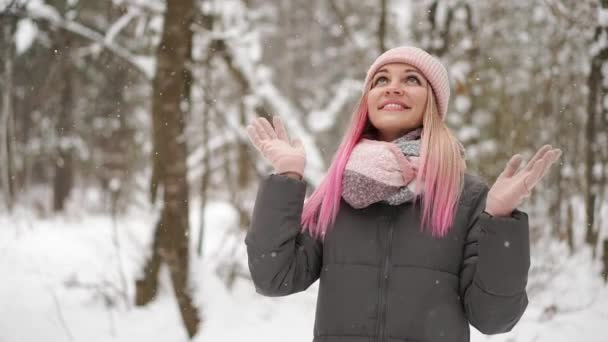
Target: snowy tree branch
49, 14
120, 24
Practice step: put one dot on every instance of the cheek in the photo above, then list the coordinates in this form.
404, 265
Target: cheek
372, 101
372, 97
420, 98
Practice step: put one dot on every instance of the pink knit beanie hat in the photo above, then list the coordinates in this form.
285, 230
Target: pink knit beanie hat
431, 68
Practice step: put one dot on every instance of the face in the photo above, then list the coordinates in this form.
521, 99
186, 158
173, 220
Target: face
396, 100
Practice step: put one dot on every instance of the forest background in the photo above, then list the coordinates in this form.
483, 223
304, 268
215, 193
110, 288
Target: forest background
127, 181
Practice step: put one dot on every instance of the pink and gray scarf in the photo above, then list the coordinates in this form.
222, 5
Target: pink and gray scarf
379, 171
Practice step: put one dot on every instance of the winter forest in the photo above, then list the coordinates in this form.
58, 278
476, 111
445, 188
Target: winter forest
127, 181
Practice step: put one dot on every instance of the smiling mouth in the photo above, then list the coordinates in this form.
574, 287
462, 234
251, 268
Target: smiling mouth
394, 107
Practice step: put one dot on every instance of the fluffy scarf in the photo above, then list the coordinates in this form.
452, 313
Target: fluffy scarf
379, 171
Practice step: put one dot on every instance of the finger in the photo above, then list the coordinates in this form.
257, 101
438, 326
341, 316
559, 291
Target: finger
553, 156
278, 126
512, 166
260, 130
558, 154
539, 154
268, 128
253, 136
535, 174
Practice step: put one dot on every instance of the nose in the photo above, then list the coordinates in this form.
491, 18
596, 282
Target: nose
393, 90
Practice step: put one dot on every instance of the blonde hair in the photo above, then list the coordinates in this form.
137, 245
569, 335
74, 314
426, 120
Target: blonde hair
441, 171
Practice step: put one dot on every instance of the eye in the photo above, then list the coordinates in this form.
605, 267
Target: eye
380, 80
412, 78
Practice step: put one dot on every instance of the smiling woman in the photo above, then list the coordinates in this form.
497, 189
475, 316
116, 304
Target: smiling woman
397, 100
406, 244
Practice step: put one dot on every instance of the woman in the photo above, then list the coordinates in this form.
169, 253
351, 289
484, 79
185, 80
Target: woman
407, 245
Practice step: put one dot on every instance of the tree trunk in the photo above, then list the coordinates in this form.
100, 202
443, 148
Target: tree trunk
593, 83
569, 227
382, 27
556, 208
595, 109
63, 179
439, 31
243, 170
605, 251
171, 87
6, 112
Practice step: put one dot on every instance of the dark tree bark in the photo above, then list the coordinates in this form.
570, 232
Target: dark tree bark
436, 33
7, 134
63, 160
382, 27
63, 179
605, 271
595, 110
570, 228
171, 87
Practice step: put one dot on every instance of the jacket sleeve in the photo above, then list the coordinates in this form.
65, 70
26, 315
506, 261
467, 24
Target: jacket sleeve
282, 259
494, 272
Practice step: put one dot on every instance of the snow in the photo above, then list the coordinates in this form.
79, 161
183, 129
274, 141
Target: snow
61, 282
467, 133
62, 274
246, 47
283, 107
600, 43
41, 9
323, 119
38, 10
62, 277
459, 71
402, 12
120, 24
488, 147
441, 15
25, 35
602, 16
462, 103
146, 64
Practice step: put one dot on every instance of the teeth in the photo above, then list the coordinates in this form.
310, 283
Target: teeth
393, 106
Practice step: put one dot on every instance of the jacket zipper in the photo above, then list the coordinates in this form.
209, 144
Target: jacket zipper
383, 288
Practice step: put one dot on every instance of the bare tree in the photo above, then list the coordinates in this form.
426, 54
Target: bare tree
8, 24
63, 179
171, 88
595, 111
382, 26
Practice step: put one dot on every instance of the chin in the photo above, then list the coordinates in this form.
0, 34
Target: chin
388, 125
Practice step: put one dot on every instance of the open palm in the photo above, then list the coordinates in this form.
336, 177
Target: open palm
274, 145
513, 186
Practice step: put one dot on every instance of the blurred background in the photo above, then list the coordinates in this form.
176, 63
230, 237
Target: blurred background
127, 181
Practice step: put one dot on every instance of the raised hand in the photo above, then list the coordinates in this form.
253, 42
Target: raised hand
274, 145
513, 186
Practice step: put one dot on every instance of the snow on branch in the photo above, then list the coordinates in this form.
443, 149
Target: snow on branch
323, 119
120, 24
6, 5
290, 116
150, 6
246, 50
43, 12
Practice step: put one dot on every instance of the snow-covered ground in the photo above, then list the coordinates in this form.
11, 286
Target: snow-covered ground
61, 281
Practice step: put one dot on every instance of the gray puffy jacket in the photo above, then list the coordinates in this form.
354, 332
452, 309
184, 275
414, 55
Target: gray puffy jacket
381, 278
